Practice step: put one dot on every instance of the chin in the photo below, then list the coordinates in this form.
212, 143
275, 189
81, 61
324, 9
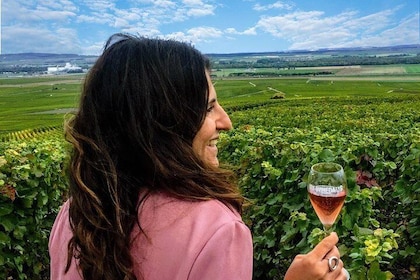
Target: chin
213, 162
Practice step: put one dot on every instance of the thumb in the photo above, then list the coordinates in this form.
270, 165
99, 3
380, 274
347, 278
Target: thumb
323, 247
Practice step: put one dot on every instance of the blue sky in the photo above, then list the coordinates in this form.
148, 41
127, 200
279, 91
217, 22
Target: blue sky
213, 26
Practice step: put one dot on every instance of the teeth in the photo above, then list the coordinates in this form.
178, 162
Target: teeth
213, 142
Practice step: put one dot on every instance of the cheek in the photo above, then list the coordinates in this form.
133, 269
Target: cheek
196, 145
199, 143
202, 138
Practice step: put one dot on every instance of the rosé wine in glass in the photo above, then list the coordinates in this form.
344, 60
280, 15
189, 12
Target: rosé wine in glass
327, 188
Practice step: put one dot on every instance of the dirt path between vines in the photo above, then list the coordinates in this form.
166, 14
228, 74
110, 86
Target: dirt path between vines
368, 78
48, 83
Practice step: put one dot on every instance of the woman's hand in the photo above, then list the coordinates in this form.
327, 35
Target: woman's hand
315, 264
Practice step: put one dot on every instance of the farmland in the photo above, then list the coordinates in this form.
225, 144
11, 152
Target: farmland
34, 102
367, 118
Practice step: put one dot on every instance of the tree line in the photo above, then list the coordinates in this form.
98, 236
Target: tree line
290, 63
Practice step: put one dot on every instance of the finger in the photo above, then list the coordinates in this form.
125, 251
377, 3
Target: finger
334, 252
345, 273
329, 273
339, 272
325, 246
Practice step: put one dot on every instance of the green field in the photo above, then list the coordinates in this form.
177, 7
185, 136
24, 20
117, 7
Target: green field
415, 68
49, 80
325, 71
36, 102
366, 120
220, 73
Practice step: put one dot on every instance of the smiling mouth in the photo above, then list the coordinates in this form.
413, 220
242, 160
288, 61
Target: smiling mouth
213, 142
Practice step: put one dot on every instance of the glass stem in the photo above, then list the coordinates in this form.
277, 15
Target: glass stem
328, 229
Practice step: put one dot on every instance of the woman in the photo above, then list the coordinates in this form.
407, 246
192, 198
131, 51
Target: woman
147, 197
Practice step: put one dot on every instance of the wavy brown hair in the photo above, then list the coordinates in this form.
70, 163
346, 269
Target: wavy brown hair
142, 103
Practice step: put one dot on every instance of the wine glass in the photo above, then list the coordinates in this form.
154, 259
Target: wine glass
327, 188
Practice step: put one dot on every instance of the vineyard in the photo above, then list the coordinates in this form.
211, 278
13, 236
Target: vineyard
376, 139
372, 128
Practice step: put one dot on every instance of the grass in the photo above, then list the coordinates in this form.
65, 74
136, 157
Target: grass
30, 103
221, 73
413, 68
260, 90
365, 70
41, 79
35, 106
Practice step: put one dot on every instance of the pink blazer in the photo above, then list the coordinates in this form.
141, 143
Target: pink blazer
185, 240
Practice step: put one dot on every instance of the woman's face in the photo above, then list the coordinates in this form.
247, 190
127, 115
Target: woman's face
204, 142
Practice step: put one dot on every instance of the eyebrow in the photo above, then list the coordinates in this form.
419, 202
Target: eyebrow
213, 100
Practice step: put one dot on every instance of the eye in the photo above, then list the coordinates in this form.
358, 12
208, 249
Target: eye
211, 105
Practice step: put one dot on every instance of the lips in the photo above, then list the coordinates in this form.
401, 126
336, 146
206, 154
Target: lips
213, 142
211, 152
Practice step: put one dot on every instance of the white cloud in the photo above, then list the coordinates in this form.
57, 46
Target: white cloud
47, 24
120, 23
27, 12
93, 48
314, 30
197, 8
123, 19
40, 40
197, 35
192, 2
66, 5
277, 5
371, 23
93, 18
141, 30
42, 14
67, 39
202, 11
152, 14
39, 26
133, 14
145, 17
231, 30
205, 32
406, 31
99, 5
164, 4
249, 31
294, 24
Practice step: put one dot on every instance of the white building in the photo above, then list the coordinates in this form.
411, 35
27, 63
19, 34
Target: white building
67, 68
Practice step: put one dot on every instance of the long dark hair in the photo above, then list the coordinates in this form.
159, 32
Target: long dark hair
142, 103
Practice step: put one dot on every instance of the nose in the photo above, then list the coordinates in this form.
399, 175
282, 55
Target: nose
223, 121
